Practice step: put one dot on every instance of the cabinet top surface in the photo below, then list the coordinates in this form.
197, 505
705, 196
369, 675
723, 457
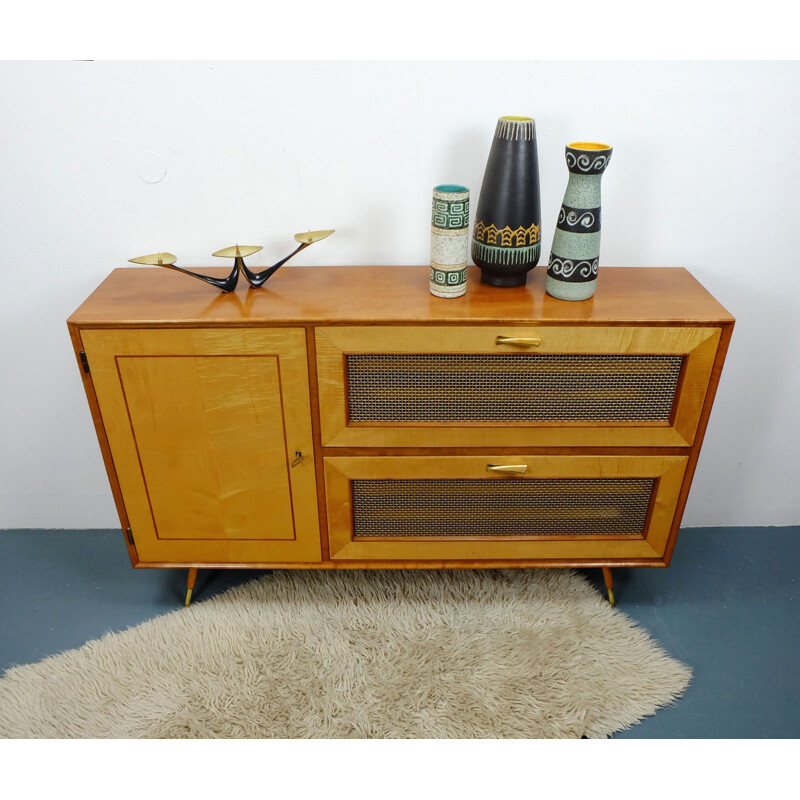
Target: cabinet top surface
148, 296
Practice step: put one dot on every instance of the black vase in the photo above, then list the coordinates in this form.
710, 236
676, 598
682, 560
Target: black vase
506, 238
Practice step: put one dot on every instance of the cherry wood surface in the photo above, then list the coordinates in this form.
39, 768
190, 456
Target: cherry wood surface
148, 296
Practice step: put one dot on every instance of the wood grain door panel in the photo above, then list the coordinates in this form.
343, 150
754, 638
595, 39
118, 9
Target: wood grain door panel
202, 427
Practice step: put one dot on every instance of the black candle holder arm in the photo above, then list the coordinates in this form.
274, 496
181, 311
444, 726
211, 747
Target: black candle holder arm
226, 284
256, 279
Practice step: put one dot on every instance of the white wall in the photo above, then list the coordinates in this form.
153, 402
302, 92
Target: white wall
704, 175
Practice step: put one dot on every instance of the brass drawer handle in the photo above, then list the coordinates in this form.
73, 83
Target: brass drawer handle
518, 469
515, 340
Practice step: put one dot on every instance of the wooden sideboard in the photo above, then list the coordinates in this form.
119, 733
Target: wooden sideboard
343, 417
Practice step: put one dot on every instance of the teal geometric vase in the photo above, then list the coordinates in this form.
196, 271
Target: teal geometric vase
575, 254
449, 235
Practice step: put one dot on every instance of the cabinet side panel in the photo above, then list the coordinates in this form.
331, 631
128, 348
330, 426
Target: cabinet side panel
711, 392
102, 439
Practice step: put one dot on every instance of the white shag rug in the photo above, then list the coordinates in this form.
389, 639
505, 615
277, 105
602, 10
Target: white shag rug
358, 654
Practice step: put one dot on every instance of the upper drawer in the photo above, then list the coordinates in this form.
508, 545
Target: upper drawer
443, 386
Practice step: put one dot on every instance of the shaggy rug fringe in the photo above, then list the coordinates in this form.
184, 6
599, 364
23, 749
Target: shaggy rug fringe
359, 654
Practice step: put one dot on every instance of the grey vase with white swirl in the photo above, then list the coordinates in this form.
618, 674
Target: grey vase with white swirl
574, 257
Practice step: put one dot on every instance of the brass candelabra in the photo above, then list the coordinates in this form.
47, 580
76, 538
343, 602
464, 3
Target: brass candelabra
238, 254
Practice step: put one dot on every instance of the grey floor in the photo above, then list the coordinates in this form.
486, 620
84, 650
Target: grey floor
727, 606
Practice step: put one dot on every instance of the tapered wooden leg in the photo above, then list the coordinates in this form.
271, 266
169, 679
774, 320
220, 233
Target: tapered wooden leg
190, 584
609, 585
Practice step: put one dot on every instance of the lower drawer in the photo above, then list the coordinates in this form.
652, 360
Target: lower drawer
485, 507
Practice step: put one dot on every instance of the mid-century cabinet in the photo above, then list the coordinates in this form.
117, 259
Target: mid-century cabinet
344, 417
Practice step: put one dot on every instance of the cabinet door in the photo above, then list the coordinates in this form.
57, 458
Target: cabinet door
492, 386
203, 427
551, 508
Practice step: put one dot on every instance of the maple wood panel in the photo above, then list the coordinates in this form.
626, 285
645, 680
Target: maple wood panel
340, 472
202, 427
333, 344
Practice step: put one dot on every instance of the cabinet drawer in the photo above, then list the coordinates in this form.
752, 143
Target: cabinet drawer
456, 507
548, 386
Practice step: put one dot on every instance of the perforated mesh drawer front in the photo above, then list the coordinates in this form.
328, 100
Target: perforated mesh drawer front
509, 387
513, 507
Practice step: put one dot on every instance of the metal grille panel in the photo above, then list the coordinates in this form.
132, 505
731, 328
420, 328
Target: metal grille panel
508, 387
499, 507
